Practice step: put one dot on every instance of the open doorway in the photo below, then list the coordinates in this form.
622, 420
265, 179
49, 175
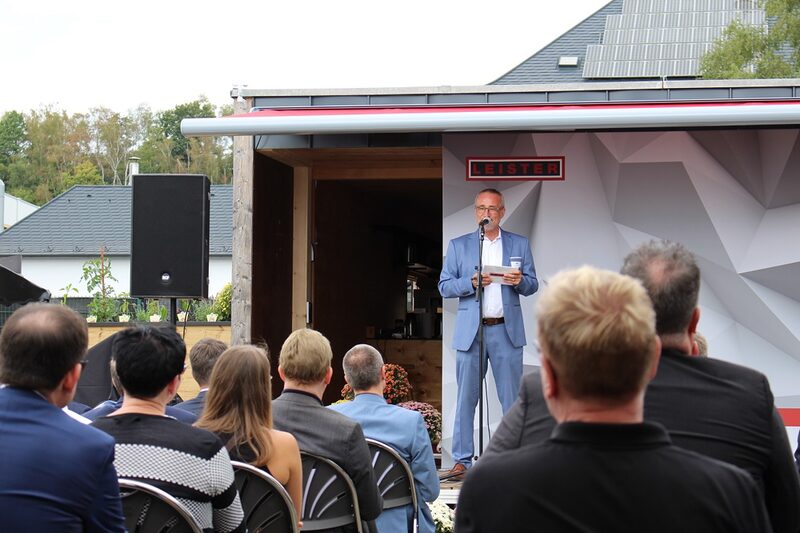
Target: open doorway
376, 258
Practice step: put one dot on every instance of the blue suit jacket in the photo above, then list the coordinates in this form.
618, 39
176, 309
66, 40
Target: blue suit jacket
109, 406
56, 474
456, 282
404, 430
195, 405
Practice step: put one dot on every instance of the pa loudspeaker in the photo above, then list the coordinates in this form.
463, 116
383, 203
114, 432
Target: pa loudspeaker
169, 235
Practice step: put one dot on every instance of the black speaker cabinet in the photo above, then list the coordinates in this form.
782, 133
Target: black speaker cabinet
169, 236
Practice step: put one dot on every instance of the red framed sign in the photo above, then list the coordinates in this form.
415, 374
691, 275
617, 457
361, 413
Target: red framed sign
516, 168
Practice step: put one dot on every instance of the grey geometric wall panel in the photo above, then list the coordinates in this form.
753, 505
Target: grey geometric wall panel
732, 197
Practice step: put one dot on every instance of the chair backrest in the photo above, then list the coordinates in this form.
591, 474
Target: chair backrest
266, 504
394, 477
329, 496
148, 509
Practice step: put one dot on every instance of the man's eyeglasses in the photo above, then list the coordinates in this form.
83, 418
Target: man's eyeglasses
491, 209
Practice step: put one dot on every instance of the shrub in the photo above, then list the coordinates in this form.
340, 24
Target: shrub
222, 303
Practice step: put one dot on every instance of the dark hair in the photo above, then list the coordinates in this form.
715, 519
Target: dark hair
671, 277
147, 359
39, 344
203, 356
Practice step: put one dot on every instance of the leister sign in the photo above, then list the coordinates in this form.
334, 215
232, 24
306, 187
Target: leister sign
516, 168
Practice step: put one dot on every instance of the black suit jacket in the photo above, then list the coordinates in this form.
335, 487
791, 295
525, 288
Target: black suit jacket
608, 478
709, 406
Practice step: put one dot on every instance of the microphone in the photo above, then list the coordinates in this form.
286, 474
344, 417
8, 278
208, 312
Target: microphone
485, 221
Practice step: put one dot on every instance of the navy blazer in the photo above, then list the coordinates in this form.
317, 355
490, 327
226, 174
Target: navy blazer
195, 405
456, 282
56, 474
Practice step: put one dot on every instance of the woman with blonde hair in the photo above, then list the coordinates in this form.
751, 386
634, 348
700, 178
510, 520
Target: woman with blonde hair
239, 410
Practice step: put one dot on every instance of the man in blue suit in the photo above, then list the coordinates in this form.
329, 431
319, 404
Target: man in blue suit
203, 356
504, 331
56, 474
400, 428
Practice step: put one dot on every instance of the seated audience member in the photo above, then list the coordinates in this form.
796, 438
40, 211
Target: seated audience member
239, 411
189, 463
603, 468
712, 407
305, 368
402, 429
56, 474
109, 406
202, 357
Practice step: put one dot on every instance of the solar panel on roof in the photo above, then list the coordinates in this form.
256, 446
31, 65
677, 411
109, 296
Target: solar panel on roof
664, 38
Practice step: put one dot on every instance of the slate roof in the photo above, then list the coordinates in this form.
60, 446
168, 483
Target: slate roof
542, 67
88, 217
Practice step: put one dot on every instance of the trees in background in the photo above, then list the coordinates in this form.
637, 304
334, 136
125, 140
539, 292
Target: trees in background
46, 151
757, 52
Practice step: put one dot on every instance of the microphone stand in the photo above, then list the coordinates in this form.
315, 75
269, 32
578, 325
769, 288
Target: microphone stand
479, 298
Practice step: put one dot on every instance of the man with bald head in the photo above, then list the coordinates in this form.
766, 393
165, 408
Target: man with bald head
709, 406
603, 468
56, 474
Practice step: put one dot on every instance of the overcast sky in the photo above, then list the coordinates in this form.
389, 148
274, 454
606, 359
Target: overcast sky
77, 55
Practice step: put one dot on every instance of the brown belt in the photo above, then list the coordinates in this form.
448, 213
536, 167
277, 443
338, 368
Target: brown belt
493, 321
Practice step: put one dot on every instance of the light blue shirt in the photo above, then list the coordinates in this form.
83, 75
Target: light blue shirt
404, 430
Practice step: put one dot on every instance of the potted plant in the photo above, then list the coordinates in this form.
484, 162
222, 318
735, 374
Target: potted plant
201, 310
443, 517
432, 418
97, 275
124, 308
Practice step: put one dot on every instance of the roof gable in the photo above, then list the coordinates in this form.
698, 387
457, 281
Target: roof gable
88, 218
542, 67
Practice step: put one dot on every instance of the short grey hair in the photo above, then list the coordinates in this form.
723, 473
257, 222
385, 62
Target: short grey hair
362, 366
671, 277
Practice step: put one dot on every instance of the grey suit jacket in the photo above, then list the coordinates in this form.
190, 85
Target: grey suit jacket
711, 407
330, 434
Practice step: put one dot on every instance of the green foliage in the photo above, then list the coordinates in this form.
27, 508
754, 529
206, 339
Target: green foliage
222, 303
46, 151
124, 303
13, 136
97, 275
68, 288
754, 52
154, 307
105, 309
142, 315
170, 124
201, 310
83, 174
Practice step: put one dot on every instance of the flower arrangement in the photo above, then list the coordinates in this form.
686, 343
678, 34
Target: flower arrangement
431, 416
443, 517
398, 388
